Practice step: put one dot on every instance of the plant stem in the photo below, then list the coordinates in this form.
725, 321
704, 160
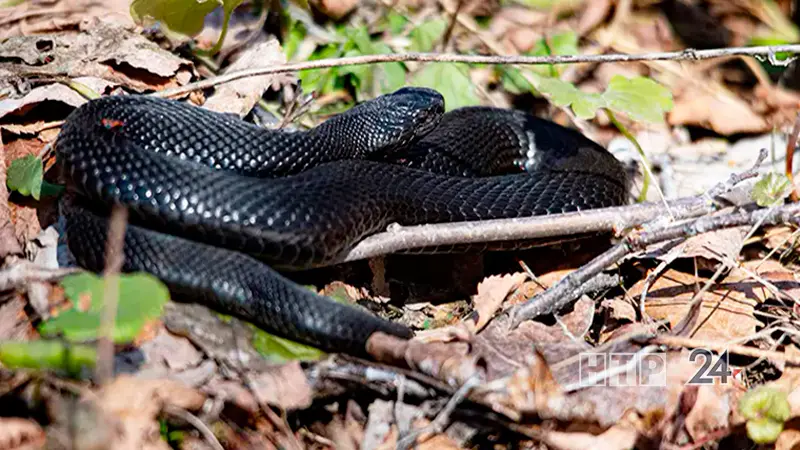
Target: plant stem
646, 177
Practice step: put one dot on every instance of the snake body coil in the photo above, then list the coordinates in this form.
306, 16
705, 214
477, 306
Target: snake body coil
212, 198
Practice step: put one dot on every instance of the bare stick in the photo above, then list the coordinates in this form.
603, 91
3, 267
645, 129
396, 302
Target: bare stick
683, 55
721, 347
497, 230
114, 259
790, 146
614, 219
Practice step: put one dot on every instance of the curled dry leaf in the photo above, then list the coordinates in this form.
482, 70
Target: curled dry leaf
491, 293
20, 434
14, 110
711, 410
240, 97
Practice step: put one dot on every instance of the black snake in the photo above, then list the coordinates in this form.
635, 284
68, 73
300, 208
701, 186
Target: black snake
214, 201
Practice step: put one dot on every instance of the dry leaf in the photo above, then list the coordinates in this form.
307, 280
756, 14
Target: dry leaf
335, 9
505, 350
621, 436
135, 404
50, 93
711, 410
491, 293
20, 434
241, 96
725, 313
284, 386
103, 50
722, 113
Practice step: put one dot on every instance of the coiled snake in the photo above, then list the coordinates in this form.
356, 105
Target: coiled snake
215, 201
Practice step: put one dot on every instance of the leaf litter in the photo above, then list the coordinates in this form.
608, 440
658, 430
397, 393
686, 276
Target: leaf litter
524, 377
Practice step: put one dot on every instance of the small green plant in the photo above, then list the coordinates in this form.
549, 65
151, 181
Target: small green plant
772, 189
25, 176
183, 16
766, 409
141, 299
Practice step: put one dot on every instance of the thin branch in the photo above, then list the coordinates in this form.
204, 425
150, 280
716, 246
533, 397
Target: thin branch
683, 55
114, 260
562, 293
790, 146
721, 347
400, 238
614, 219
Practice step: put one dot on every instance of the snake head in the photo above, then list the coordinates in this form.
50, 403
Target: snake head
389, 123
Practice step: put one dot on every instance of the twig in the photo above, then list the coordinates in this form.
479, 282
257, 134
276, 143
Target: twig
565, 291
195, 421
683, 55
24, 272
721, 347
443, 418
790, 146
616, 219
448, 33
114, 259
562, 293
400, 238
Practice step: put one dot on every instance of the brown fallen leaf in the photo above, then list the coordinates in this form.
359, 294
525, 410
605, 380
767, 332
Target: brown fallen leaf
711, 410
505, 350
284, 386
725, 311
491, 293
721, 112
335, 9
39, 17
133, 406
20, 434
620, 436
240, 97
101, 49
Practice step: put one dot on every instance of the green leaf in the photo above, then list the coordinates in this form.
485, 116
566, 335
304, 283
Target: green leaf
141, 299
558, 44
277, 349
182, 16
397, 22
514, 82
765, 401
294, 37
772, 189
427, 34
763, 431
640, 98
452, 80
563, 93
25, 176
766, 409
75, 360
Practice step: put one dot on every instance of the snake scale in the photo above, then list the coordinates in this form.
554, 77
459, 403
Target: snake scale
217, 204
